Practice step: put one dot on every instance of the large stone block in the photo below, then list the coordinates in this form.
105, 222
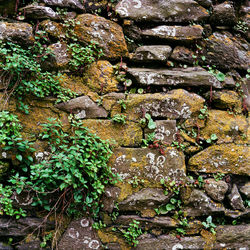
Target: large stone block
74, 4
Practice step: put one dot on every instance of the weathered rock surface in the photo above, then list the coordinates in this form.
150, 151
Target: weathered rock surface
227, 127
35, 11
165, 131
175, 104
205, 3
74, 4
235, 199
152, 53
192, 76
99, 77
174, 33
223, 14
54, 29
146, 198
80, 235
9, 227
216, 189
224, 158
16, 32
199, 204
131, 132
183, 54
83, 107
33, 245
107, 34
148, 164
109, 197
161, 11
245, 189
226, 51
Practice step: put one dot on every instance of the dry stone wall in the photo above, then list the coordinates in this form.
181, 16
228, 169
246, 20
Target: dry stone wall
171, 90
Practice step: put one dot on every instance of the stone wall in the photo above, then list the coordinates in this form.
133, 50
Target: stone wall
182, 64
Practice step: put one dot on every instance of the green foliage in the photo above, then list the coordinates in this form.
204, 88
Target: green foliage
212, 138
209, 225
135, 181
218, 176
149, 121
123, 104
119, 118
241, 26
149, 140
46, 238
178, 145
203, 113
99, 225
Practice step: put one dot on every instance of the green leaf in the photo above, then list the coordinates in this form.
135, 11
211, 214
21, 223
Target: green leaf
19, 157
213, 137
220, 77
151, 124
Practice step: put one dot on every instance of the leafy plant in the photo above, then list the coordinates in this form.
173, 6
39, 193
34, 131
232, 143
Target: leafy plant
123, 104
135, 181
178, 145
149, 139
149, 121
99, 225
119, 118
203, 113
209, 225
212, 138
218, 176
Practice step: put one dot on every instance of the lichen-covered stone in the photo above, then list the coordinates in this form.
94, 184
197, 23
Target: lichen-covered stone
129, 134
227, 51
152, 53
235, 199
174, 33
80, 235
146, 198
148, 164
165, 131
227, 127
175, 104
17, 32
107, 34
83, 107
223, 14
161, 10
99, 77
224, 158
183, 54
216, 189
53, 28
109, 198
74, 4
245, 190
192, 76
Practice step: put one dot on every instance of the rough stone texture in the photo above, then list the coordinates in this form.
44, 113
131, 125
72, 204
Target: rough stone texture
148, 164
199, 204
165, 131
74, 4
99, 77
223, 14
174, 33
107, 34
205, 3
175, 104
152, 53
35, 11
224, 158
148, 223
54, 29
226, 99
235, 199
171, 242
183, 54
131, 132
161, 10
16, 32
192, 76
236, 214
33, 245
109, 197
216, 189
226, 51
245, 189
146, 198
4, 167
80, 235
83, 107
227, 127
9, 227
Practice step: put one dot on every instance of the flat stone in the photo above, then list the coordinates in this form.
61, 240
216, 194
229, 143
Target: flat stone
83, 107
161, 10
174, 33
165, 131
106, 33
149, 223
149, 242
191, 77
227, 127
10, 227
224, 158
226, 51
129, 134
236, 214
74, 4
245, 189
223, 14
81, 235
17, 32
35, 11
152, 53
148, 164
235, 199
216, 189
146, 198
183, 54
